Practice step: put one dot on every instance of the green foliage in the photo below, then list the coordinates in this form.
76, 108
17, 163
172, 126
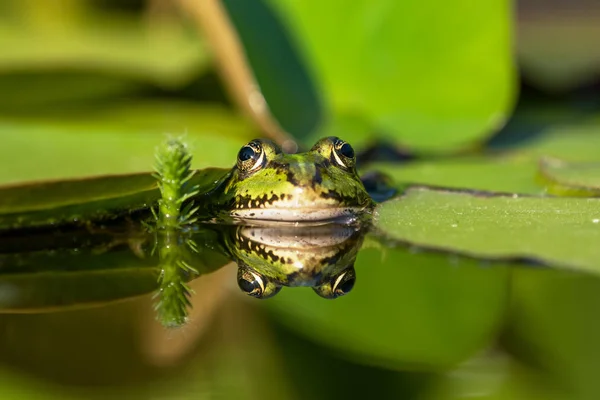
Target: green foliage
564, 178
557, 231
431, 76
173, 172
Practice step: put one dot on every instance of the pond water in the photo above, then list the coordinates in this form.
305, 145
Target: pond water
114, 311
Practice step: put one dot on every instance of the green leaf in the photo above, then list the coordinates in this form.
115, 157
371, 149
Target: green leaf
278, 68
84, 199
516, 157
571, 178
435, 77
557, 231
116, 138
406, 309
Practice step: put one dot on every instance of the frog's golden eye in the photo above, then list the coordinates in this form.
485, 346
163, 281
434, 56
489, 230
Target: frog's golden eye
251, 157
255, 285
337, 286
342, 153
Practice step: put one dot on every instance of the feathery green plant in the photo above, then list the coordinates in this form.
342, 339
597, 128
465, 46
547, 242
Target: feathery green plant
173, 171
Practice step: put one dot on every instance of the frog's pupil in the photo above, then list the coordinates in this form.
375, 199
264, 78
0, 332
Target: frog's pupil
246, 153
347, 151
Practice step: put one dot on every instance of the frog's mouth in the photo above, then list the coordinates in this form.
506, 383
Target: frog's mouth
298, 214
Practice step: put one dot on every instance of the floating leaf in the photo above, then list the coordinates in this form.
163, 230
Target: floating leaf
571, 178
84, 199
557, 231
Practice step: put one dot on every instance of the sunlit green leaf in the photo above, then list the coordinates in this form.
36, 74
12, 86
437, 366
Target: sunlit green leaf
431, 76
557, 231
566, 178
277, 66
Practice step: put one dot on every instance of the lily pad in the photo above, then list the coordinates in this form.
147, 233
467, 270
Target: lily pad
405, 68
515, 159
74, 200
571, 178
553, 230
406, 309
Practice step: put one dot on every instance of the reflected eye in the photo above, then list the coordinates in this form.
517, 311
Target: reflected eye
343, 154
252, 287
251, 157
344, 284
338, 286
255, 285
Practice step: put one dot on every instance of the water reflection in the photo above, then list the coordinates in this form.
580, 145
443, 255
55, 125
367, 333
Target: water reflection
438, 324
49, 270
321, 257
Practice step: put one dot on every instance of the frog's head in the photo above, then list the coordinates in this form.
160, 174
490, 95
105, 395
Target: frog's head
321, 184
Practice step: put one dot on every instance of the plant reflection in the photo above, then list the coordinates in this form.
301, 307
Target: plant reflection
54, 270
268, 258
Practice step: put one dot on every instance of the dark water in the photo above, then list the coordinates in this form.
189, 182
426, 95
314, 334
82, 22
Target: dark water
91, 314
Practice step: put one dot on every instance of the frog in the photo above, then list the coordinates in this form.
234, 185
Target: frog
269, 185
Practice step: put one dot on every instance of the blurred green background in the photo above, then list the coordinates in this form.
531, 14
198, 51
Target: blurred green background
450, 93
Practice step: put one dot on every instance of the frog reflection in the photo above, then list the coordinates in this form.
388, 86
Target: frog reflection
269, 258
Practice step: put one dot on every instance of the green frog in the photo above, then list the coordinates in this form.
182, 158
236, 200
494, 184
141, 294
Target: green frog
269, 185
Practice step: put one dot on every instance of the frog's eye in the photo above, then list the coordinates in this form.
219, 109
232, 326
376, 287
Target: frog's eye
338, 286
343, 154
255, 285
251, 157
